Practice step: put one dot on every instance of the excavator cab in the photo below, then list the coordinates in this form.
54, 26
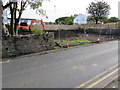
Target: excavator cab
23, 24
25, 29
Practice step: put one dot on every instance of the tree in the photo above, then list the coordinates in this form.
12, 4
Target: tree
105, 19
98, 10
2, 26
17, 7
8, 4
113, 19
65, 20
1, 17
75, 15
50, 23
90, 19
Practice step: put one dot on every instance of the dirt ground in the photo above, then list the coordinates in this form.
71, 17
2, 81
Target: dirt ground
91, 37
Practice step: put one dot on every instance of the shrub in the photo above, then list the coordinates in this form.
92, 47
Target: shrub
37, 31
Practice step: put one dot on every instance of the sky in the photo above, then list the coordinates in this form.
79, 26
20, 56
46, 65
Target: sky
61, 8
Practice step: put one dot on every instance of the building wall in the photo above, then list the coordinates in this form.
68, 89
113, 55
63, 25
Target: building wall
26, 20
5, 17
80, 19
23, 20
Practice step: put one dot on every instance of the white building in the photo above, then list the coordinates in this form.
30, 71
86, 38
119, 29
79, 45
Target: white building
5, 17
80, 19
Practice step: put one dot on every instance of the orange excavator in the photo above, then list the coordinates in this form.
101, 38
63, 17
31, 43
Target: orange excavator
25, 28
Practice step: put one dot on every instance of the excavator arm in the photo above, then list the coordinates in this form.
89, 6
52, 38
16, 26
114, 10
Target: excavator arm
34, 21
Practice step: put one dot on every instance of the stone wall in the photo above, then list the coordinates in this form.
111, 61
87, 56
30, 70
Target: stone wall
26, 44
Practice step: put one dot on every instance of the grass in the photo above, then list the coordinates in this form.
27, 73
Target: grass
71, 43
57, 47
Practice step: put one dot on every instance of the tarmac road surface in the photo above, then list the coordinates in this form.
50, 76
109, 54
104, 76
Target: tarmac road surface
63, 69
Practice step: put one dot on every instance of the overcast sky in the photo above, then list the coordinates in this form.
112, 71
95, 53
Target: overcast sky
60, 8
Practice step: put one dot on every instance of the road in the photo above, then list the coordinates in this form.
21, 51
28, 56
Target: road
63, 69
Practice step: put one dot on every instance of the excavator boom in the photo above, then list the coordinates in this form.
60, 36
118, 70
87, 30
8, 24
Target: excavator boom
34, 21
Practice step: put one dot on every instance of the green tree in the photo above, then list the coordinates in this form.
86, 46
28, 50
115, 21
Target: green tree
75, 15
113, 19
65, 20
98, 10
17, 7
50, 23
105, 20
90, 19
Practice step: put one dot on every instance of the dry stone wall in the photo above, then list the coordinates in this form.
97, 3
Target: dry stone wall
26, 44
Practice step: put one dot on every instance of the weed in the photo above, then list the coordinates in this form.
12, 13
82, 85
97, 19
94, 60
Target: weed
37, 31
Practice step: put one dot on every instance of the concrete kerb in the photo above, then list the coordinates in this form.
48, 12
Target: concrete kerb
50, 51
34, 54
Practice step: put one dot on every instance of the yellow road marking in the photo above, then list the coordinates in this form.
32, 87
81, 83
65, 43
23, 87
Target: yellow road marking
5, 62
90, 86
95, 77
94, 65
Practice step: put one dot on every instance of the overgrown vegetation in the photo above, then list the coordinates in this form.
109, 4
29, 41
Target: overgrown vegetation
37, 31
113, 19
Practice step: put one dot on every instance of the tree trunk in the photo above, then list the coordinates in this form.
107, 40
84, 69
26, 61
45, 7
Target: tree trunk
12, 20
15, 24
20, 13
96, 21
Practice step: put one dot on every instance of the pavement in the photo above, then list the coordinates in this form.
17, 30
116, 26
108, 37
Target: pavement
114, 84
78, 67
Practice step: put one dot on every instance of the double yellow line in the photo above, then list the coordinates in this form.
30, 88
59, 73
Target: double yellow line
95, 83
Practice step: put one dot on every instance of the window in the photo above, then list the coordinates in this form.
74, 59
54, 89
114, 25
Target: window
77, 20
